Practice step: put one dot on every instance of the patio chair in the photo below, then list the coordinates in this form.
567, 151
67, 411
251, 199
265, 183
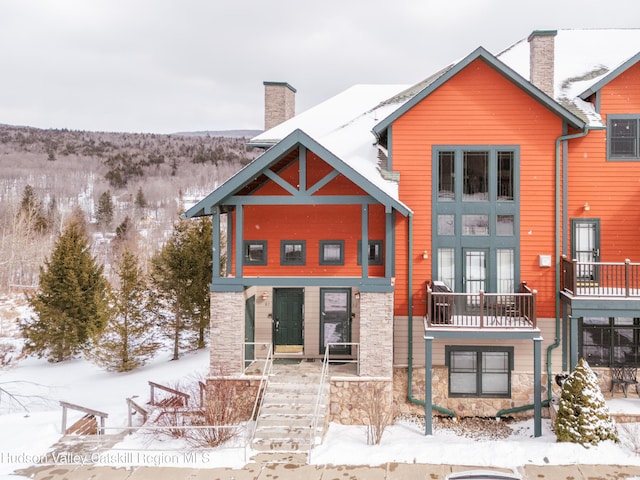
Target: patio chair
624, 377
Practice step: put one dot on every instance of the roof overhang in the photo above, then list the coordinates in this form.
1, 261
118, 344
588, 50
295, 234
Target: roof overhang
281, 149
482, 54
610, 76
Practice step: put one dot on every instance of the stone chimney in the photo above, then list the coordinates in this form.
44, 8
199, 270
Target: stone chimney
541, 59
279, 103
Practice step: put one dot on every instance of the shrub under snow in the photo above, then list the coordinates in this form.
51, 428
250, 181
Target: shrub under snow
583, 416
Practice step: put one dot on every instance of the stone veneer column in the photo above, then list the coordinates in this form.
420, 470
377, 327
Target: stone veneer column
376, 334
227, 333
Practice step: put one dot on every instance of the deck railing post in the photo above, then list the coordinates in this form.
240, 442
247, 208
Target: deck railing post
481, 309
627, 277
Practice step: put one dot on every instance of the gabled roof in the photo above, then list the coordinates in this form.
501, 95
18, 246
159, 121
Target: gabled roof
585, 60
294, 140
434, 82
610, 76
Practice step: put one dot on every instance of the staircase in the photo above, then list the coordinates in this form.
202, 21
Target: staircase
295, 402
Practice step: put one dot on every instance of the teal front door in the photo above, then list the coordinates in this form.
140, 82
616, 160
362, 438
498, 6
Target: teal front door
288, 320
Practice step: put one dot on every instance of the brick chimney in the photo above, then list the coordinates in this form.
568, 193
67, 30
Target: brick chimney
541, 59
279, 103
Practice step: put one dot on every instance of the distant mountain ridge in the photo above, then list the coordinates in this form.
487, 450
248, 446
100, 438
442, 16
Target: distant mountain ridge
222, 133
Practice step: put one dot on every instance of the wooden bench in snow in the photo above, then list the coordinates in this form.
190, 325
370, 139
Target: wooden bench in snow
87, 425
176, 399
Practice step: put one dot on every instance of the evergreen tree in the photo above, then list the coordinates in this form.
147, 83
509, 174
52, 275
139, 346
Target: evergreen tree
31, 212
141, 202
583, 416
180, 276
128, 341
104, 212
71, 306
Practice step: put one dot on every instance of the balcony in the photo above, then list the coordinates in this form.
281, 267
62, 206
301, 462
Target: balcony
484, 311
600, 279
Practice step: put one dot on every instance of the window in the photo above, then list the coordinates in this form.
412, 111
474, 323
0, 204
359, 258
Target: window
610, 341
375, 252
331, 252
623, 137
293, 252
475, 186
476, 207
255, 252
479, 371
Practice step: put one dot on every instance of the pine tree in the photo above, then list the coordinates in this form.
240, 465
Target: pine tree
31, 212
141, 201
104, 212
128, 340
180, 276
71, 306
583, 416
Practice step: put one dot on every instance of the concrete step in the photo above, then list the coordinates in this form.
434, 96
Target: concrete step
269, 420
286, 445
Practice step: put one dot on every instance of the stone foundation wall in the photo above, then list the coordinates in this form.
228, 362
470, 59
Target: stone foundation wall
521, 394
239, 393
357, 402
351, 400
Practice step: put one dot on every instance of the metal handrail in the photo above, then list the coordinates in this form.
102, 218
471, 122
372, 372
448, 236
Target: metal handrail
260, 397
323, 378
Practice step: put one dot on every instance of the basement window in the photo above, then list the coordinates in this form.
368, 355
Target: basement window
479, 371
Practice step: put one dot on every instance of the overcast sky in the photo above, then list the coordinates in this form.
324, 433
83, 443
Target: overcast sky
166, 66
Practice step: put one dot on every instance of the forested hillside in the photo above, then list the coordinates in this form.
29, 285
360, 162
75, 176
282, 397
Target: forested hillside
121, 183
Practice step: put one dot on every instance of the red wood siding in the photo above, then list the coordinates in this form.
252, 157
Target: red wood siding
478, 107
311, 223
612, 188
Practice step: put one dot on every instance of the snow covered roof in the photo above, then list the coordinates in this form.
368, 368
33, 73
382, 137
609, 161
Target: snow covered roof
343, 125
584, 60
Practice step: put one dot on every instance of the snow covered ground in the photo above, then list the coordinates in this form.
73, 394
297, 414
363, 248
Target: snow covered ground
25, 437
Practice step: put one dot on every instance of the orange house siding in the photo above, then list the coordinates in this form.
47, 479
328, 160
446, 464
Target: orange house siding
311, 223
612, 188
478, 107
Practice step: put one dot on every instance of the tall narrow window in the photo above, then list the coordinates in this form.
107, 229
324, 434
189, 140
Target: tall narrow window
505, 270
505, 176
475, 166
446, 176
446, 267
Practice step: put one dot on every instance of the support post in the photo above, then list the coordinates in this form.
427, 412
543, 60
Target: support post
574, 342
537, 387
428, 396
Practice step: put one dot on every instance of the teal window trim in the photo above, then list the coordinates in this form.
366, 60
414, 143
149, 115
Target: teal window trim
606, 335
375, 247
251, 252
632, 140
324, 260
452, 205
286, 259
478, 351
